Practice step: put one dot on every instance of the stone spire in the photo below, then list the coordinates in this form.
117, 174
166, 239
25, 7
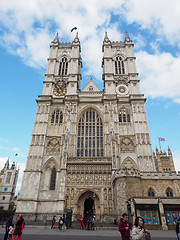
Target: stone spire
169, 151
127, 38
76, 39
106, 39
56, 40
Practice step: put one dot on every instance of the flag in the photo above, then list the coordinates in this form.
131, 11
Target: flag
161, 139
16, 154
75, 28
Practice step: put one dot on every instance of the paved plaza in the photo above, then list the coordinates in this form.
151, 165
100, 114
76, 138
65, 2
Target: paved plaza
41, 233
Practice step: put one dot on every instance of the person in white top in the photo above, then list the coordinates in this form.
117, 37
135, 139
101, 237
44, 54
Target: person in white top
138, 230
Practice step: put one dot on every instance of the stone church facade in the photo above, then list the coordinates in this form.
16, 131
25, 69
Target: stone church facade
90, 150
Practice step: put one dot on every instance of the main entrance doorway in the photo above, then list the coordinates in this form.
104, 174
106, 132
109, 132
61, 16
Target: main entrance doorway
88, 207
88, 204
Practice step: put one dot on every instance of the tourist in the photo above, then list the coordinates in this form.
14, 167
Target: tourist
8, 224
125, 227
178, 229
93, 220
19, 228
11, 230
64, 223
81, 222
138, 230
60, 224
53, 225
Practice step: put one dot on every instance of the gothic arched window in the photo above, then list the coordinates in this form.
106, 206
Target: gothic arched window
169, 192
90, 135
124, 116
63, 66
151, 192
57, 117
53, 179
119, 66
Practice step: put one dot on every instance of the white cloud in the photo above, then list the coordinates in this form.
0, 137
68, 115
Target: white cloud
176, 157
177, 100
28, 27
20, 176
159, 75
161, 17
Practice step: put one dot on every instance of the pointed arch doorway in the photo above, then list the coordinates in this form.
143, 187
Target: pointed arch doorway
89, 207
88, 204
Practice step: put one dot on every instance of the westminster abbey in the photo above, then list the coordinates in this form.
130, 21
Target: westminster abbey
90, 150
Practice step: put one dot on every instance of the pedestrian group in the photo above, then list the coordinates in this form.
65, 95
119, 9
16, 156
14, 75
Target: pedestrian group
138, 230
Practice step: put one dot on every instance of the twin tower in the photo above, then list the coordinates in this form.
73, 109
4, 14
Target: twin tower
90, 151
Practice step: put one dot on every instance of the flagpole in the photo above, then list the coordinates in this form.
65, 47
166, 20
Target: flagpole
159, 144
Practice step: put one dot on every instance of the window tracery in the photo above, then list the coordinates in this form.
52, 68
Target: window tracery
53, 179
124, 116
57, 117
169, 192
151, 192
90, 135
63, 66
119, 65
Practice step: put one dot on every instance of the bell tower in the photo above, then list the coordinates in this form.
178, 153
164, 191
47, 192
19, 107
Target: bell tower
122, 92
53, 133
63, 75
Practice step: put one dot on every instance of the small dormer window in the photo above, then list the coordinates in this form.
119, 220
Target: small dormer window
91, 88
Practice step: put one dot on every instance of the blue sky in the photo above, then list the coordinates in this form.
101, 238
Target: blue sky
26, 30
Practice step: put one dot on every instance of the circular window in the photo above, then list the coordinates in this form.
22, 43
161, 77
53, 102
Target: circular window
121, 89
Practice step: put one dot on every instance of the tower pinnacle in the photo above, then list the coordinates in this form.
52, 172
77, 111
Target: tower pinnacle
56, 40
127, 38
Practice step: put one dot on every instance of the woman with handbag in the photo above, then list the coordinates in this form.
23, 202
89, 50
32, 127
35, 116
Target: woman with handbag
19, 228
138, 230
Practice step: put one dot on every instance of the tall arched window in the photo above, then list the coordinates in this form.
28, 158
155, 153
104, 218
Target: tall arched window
124, 116
57, 117
169, 192
63, 66
53, 179
119, 66
90, 135
151, 192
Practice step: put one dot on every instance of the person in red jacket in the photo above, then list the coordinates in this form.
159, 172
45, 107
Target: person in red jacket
125, 227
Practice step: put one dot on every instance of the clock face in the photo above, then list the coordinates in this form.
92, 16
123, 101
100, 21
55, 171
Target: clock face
5, 189
60, 89
122, 89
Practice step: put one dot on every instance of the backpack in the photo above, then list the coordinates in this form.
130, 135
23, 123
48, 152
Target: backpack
61, 222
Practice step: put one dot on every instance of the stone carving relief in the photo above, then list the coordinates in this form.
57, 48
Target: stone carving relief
89, 175
53, 147
129, 164
127, 145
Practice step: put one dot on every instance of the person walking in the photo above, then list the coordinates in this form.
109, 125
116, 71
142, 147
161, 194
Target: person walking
178, 229
81, 222
64, 222
8, 224
138, 230
125, 227
19, 228
93, 221
60, 224
53, 225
